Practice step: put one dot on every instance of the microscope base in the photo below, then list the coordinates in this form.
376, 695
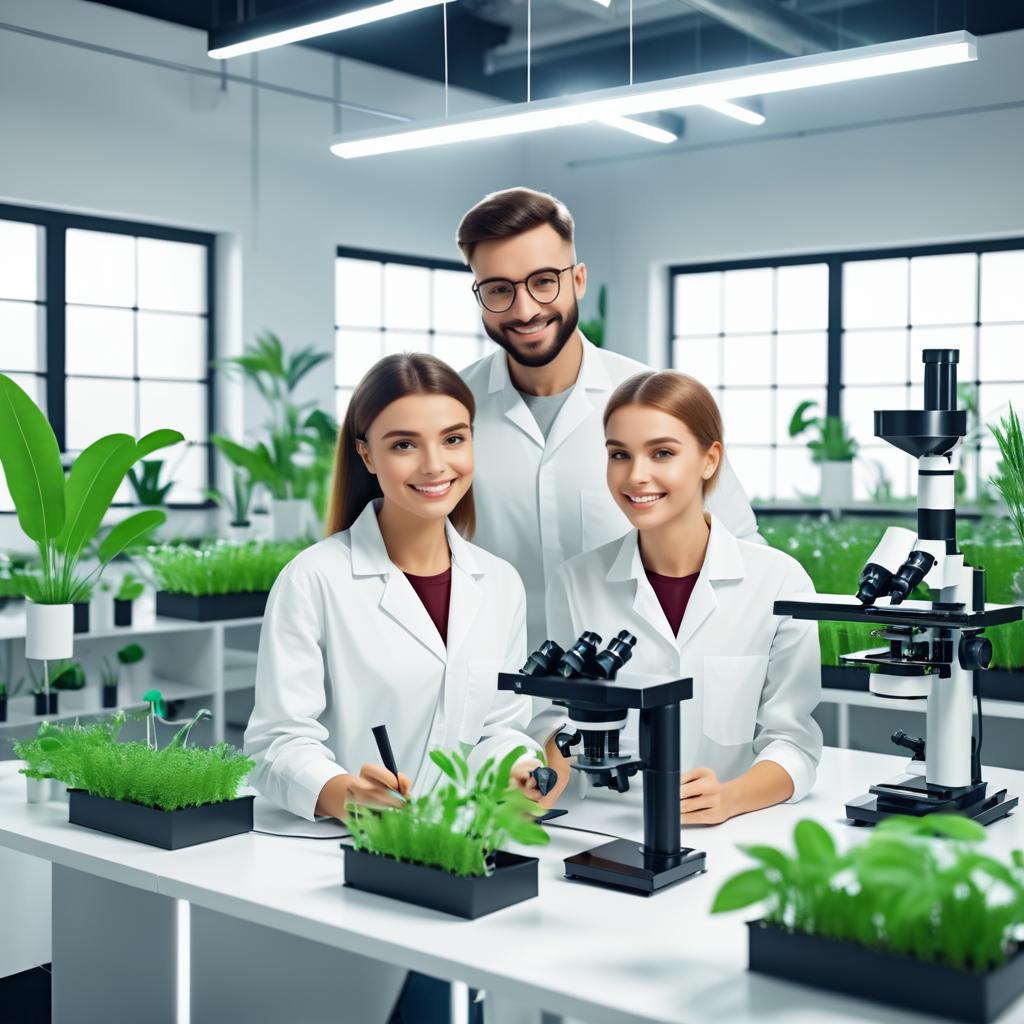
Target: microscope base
622, 864
911, 795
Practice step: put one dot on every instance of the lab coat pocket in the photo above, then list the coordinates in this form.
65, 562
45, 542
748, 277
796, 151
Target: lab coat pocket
478, 697
601, 520
732, 695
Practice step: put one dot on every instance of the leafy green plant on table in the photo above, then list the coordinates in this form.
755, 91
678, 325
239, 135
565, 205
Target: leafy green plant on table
131, 654
831, 442
109, 674
91, 758
457, 826
130, 588
69, 677
62, 516
221, 568
920, 887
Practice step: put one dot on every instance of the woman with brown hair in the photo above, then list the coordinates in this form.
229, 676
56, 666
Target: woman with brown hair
700, 602
394, 617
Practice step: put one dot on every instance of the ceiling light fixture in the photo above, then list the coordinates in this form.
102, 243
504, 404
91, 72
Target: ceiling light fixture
734, 110
669, 94
319, 19
657, 127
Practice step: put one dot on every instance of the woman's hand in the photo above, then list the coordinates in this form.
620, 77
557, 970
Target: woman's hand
703, 800
374, 786
523, 780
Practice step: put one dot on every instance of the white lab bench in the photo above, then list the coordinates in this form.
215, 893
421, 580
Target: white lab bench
246, 928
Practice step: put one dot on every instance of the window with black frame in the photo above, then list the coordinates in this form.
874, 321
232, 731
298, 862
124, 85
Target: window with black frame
846, 331
386, 303
108, 326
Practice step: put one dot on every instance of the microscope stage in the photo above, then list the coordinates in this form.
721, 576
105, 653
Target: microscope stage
844, 608
636, 692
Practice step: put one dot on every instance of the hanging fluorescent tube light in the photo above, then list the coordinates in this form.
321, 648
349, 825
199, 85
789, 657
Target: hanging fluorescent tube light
264, 33
669, 94
663, 128
734, 110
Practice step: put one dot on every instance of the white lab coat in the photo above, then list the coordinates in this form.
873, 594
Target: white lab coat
756, 675
347, 644
537, 503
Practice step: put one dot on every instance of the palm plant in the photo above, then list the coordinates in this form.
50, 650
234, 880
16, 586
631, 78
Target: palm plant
1009, 480
62, 515
832, 444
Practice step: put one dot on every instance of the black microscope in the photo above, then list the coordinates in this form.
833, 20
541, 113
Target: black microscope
583, 680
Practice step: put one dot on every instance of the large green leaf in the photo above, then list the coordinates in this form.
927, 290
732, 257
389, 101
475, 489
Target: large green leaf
742, 890
94, 479
128, 531
31, 461
255, 463
813, 843
155, 440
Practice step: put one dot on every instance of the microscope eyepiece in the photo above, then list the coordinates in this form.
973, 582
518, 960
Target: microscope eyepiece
579, 659
615, 655
873, 583
542, 661
910, 574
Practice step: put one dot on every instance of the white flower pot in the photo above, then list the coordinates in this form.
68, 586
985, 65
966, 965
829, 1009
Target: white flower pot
58, 791
293, 517
239, 534
49, 631
836, 483
37, 791
101, 611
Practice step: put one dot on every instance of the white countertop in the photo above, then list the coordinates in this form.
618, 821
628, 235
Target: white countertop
578, 950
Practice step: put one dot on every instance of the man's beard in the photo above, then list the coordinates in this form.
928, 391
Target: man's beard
566, 328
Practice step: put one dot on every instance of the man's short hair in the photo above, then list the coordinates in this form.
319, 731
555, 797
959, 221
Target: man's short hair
510, 212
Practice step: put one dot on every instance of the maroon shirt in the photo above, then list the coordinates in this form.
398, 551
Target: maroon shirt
673, 595
435, 593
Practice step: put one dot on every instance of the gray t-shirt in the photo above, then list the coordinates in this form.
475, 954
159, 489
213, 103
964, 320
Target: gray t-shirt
545, 408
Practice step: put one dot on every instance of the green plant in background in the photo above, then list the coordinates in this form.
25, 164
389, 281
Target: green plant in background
91, 758
221, 568
146, 484
314, 481
130, 588
594, 330
832, 443
276, 377
131, 654
1009, 479
109, 674
70, 676
903, 891
456, 827
62, 516
238, 501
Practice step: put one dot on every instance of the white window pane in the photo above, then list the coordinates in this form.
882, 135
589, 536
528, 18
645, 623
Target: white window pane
801, 358
1002, 285
796, 475
97, 408
1001, 350
457, 351
994, 402
860, 404
406, 296
21, 248
700, 358
342, 397
455, 308
802, 303
753, 468
21, 336
357, 293
942, 289
100, 268
875, 293
747, 359
189, 467
875, 357
172, 276
961, 338
748, 415
174, 406
100, 341
406, 341
33, 386
698, 304
172, 345
354, 353
747, 300
881, 471
786, 402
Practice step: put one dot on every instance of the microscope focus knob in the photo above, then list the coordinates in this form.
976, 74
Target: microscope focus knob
975, 652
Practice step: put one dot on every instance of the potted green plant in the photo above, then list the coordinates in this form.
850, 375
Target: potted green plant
274, 463
236, 503
832, 448
130, 657
1009, 482
145, 482
62, 516
128, 592
218, 581
442, 850
918, 916
70, 679
171, 797
80, 616
594, 330
109, 674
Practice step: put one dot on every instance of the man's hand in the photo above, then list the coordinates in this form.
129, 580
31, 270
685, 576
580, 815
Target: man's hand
703, 800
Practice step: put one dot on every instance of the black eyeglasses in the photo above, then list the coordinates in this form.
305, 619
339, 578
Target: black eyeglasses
498, 294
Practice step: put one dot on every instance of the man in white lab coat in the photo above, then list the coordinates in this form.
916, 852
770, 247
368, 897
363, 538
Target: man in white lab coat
539, 480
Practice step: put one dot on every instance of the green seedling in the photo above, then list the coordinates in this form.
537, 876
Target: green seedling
109, 674
130, 589
221, 568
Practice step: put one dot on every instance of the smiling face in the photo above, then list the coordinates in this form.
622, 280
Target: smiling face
656, 467
531, 332
420, 448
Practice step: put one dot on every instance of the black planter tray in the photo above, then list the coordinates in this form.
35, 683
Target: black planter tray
170, 830
514, 880
920, 985
210, 607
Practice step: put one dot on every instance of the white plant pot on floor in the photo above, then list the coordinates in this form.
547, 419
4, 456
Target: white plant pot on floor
292, 517
49, 631
836, 483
